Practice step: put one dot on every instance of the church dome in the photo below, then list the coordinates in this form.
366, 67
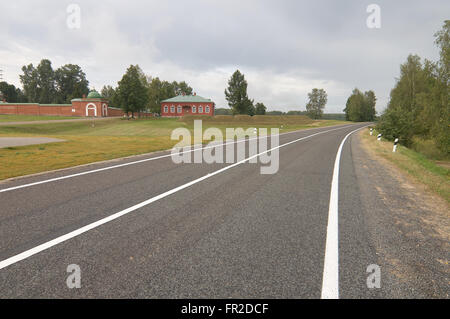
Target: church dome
94, 95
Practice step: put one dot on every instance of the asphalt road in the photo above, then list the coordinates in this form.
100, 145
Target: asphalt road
235, 234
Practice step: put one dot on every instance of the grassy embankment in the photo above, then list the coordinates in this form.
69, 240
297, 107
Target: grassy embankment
116, 138
415, 164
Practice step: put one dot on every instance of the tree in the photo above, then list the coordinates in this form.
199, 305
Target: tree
360, 107
161, 90
46, 82
131, 92
419, 103
10, 93
260, 109
108, 92
236, 95
29, 80
43, 85
317, 101
70, 83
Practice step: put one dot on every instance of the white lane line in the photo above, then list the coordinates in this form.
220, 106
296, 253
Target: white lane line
72, 234
330, 280
138, 162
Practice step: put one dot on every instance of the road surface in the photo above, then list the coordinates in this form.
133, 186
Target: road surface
233, 234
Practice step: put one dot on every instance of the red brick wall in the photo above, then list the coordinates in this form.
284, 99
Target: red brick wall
78, 108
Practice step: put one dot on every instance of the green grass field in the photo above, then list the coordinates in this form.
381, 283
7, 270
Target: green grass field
26, 118
115, 138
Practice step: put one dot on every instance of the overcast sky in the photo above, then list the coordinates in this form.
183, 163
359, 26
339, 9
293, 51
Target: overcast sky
284, 48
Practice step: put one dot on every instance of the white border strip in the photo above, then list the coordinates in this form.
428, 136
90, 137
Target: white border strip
330, 281
135, 162
28, 253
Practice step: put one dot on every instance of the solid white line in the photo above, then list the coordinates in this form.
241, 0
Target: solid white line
133, 163
58, 240
330, 281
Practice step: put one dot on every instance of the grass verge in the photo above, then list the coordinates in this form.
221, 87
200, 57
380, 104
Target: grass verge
416, 165
32, 118
107, 140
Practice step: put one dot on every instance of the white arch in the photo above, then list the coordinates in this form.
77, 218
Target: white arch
104, 109
91, 106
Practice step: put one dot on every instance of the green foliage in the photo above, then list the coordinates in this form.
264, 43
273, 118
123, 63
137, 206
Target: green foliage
419, 104
44, 85
223, 111
132, 94
236, 95
161, 90
360, 107
10, 93
70, 83
108, 92
260, 109
317, 101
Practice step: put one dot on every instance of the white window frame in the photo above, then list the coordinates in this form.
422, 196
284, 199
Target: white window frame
172, 109
166, 109
194, 109
179, 109
200, 109
207, 109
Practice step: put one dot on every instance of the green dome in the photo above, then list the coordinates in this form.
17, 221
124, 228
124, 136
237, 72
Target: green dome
94, 95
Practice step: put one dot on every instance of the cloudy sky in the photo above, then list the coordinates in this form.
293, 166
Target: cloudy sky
284, 48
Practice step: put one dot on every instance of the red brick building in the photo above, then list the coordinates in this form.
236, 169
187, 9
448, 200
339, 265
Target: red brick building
187, 105
92, 105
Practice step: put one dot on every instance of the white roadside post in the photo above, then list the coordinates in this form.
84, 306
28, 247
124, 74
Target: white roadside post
395, 145
255, 130
371, 131
379, 137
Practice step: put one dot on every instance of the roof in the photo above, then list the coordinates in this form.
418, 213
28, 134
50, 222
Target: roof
187, 99
94, 95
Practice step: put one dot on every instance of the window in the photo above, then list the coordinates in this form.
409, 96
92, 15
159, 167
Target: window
180, 109
194, 109
200, 109
172, 109
207, 109
166, 109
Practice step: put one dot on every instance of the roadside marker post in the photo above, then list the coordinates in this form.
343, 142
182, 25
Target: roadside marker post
371, 131
395, 145
379, 137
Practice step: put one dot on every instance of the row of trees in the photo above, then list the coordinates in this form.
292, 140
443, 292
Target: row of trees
419, 102
137, 92
360, 106
44, 85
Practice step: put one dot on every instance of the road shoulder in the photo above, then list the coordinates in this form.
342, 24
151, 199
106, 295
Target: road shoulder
408, 225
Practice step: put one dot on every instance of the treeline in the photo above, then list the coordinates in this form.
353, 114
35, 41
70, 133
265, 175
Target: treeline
240, 103
360, 107
44, 85
138, 92
419, 102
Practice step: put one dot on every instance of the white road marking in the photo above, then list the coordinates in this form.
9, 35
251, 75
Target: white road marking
28, 253
135, 162
330, 279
